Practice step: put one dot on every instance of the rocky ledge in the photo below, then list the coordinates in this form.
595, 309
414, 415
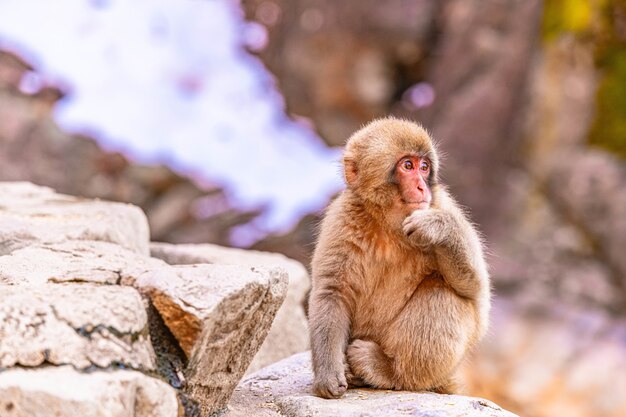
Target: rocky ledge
91, 325
97, 321
284, 389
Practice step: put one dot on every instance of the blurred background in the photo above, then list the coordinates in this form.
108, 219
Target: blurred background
224, 121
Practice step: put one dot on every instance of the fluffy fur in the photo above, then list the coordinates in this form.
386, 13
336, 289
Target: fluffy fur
398, 296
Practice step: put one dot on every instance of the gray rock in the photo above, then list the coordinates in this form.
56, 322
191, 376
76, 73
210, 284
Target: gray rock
79, 324
31, 214
220, 315
65, 392
289, 333
75, 261
284, 389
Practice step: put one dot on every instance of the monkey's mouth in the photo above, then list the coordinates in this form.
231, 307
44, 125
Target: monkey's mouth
417, 205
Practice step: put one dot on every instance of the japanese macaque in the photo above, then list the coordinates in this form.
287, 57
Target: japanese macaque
400, 287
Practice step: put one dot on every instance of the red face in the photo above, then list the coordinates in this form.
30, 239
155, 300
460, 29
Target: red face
412, 174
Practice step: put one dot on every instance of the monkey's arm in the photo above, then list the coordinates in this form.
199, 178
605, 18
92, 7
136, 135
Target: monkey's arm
458, 250
329, 325
457, 246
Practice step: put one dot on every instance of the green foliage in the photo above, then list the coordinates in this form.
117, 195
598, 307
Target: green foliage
609, 127
597, 21
561, 16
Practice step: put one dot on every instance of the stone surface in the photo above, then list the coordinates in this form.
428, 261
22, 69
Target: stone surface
79, 324
220, 315
552, 361
289, 332
284, 389
31, 214
75, 261
64, 392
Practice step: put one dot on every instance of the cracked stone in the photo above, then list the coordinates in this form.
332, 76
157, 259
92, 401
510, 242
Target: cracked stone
285, 389
74, 261
30, 214
79, 324
220, 315
63, 391
289, 333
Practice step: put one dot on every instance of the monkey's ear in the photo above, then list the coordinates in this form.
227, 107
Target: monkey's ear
350, 170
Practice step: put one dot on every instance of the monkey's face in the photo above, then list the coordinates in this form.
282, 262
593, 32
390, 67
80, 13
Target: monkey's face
412, 174
393, 164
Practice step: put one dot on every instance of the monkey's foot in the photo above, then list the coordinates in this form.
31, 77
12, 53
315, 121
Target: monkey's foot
370, 364
449, 387
354, 381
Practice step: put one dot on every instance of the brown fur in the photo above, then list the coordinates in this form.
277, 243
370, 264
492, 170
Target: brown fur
398, 297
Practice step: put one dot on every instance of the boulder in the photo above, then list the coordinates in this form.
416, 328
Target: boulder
30, 214
82, 325
284, 389
220, 315
289, 333
65, 392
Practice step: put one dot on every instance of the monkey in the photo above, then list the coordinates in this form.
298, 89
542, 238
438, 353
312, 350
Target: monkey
400, 288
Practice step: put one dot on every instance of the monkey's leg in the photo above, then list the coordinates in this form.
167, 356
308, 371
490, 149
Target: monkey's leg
370, 364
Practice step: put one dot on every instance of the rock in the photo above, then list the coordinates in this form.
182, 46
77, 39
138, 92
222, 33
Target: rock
12, 69
220, 314
284, 389
82, 325
30, 214
75, 261
579, 174
64, 392
343, 63
78, 261
552, 361
289, 333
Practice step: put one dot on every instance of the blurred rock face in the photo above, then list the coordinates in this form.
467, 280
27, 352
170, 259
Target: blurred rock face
514, 91
343, 63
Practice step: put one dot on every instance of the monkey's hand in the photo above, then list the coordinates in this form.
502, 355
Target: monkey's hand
330, 383
431, 228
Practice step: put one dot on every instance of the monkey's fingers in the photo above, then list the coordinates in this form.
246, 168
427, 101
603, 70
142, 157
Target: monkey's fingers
409, 227
333, 387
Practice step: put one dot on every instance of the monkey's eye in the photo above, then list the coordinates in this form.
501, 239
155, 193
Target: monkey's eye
407, 164
424, 166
